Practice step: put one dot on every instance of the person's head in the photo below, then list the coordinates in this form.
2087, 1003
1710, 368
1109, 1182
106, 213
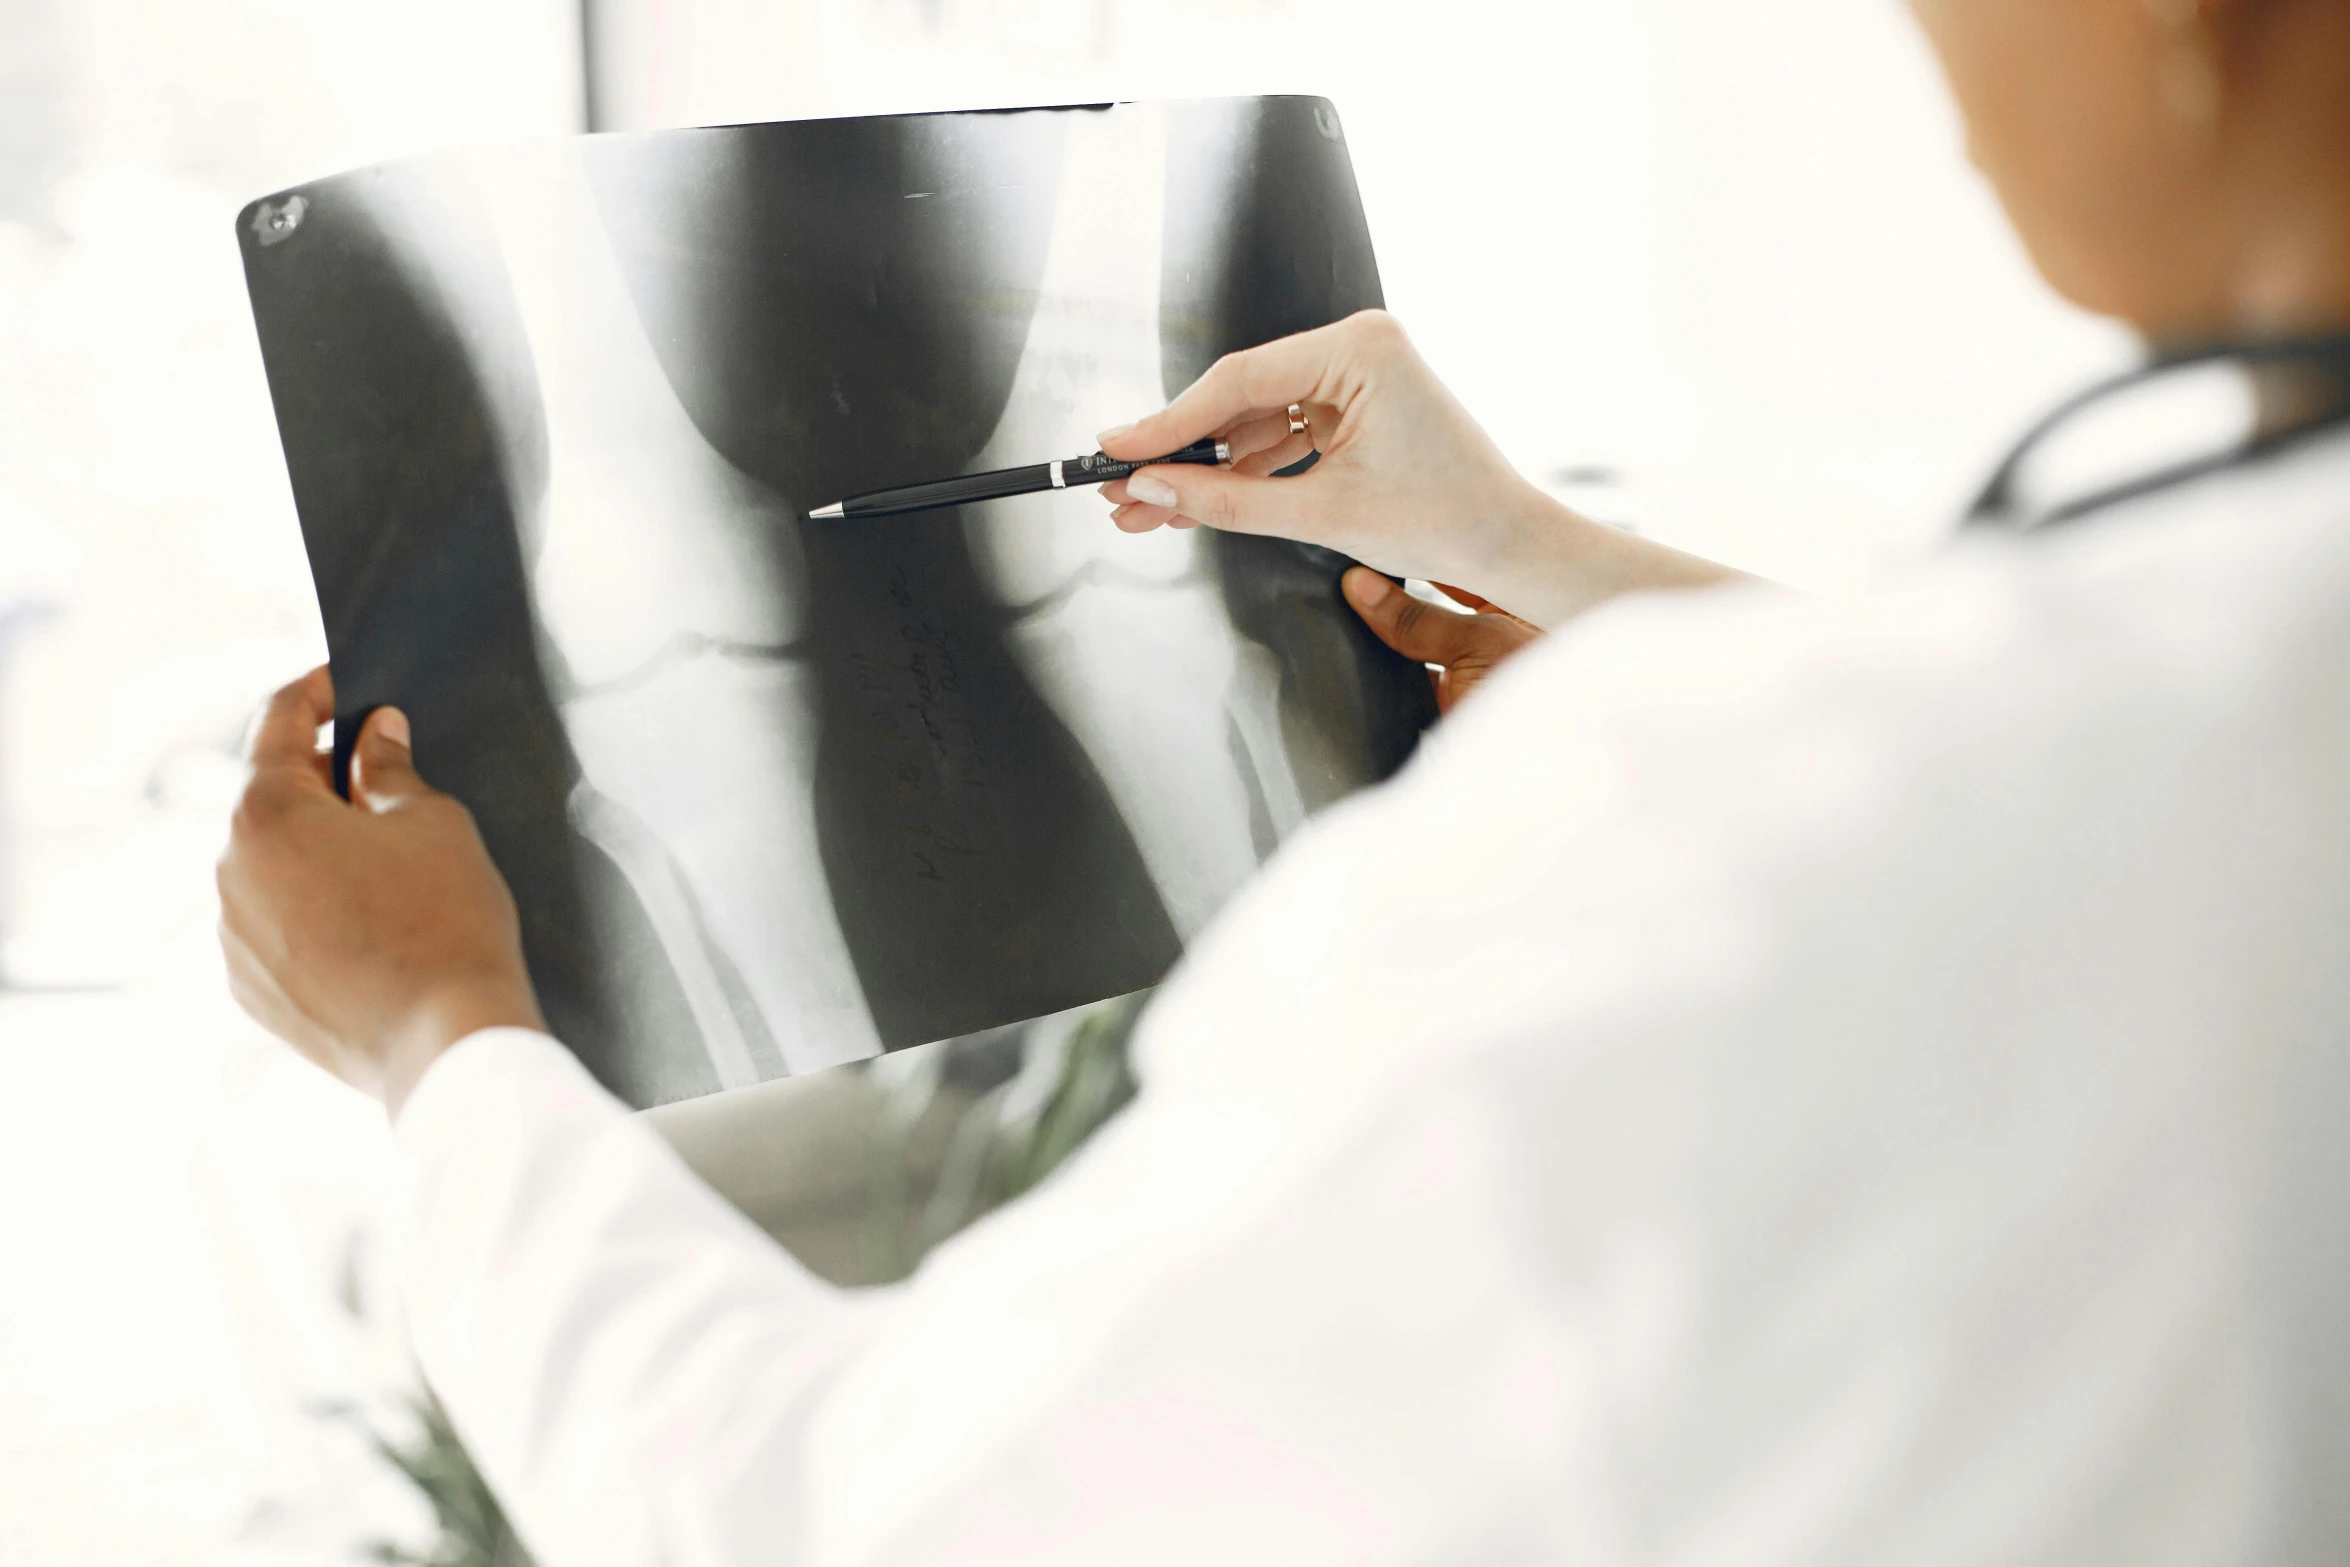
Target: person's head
2181, 164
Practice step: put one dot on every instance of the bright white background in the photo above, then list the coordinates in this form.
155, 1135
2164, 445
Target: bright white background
1729, 255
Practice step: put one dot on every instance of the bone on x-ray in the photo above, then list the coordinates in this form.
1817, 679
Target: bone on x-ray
773, 793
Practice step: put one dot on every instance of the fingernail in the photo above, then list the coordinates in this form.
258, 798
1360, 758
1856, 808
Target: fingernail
1152, 490
392, 724
1367, 587
1111, 434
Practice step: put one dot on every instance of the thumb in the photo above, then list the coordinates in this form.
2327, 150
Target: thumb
383, 768
1423, 631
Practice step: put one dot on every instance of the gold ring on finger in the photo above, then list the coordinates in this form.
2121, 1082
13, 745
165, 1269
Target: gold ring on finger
1297, 420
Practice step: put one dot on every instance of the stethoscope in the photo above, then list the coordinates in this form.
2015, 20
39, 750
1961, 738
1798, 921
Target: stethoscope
2324, 360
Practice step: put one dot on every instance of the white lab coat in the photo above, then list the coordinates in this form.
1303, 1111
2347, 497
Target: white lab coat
1774, 1082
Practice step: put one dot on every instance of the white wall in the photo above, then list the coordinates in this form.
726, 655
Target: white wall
1848, 333
183, 1191
141, 484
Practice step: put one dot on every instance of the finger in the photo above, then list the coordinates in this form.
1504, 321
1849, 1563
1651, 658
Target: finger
383, 768
1462, 596
255, 989
1425, 632
1311, 367
1456, 680
1135, 518
287, 736
1141, 518
1293, 449
1485, 606
1237, 503
1258, 435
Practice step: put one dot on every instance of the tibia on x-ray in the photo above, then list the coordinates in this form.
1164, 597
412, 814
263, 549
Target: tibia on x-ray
689, 703
1125, 633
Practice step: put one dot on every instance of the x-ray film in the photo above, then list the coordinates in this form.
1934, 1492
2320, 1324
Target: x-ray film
772, 793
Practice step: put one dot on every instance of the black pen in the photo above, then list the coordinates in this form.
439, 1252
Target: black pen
1096, 469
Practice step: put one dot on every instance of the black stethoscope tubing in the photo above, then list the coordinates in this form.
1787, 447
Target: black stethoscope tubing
2328, 356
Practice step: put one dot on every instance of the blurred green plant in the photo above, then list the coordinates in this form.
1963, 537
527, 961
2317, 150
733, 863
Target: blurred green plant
1022, 1100
1073, 1075
470, 1528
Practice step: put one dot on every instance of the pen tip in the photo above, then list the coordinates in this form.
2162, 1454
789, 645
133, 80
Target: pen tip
833, 510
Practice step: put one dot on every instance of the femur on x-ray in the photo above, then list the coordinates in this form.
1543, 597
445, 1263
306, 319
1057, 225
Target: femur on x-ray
776, 793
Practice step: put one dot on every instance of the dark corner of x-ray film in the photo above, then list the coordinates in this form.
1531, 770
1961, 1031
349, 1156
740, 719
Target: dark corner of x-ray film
776, 794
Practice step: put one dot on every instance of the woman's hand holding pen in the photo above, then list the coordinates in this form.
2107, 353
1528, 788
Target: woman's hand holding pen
1407, 481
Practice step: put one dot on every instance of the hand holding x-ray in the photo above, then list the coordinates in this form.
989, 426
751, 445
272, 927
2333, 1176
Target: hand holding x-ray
370, 934
1461, 647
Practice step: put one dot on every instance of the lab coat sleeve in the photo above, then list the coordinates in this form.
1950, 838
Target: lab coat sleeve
632, 1364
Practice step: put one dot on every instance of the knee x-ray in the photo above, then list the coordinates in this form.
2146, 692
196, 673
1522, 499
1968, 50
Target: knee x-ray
775, 793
